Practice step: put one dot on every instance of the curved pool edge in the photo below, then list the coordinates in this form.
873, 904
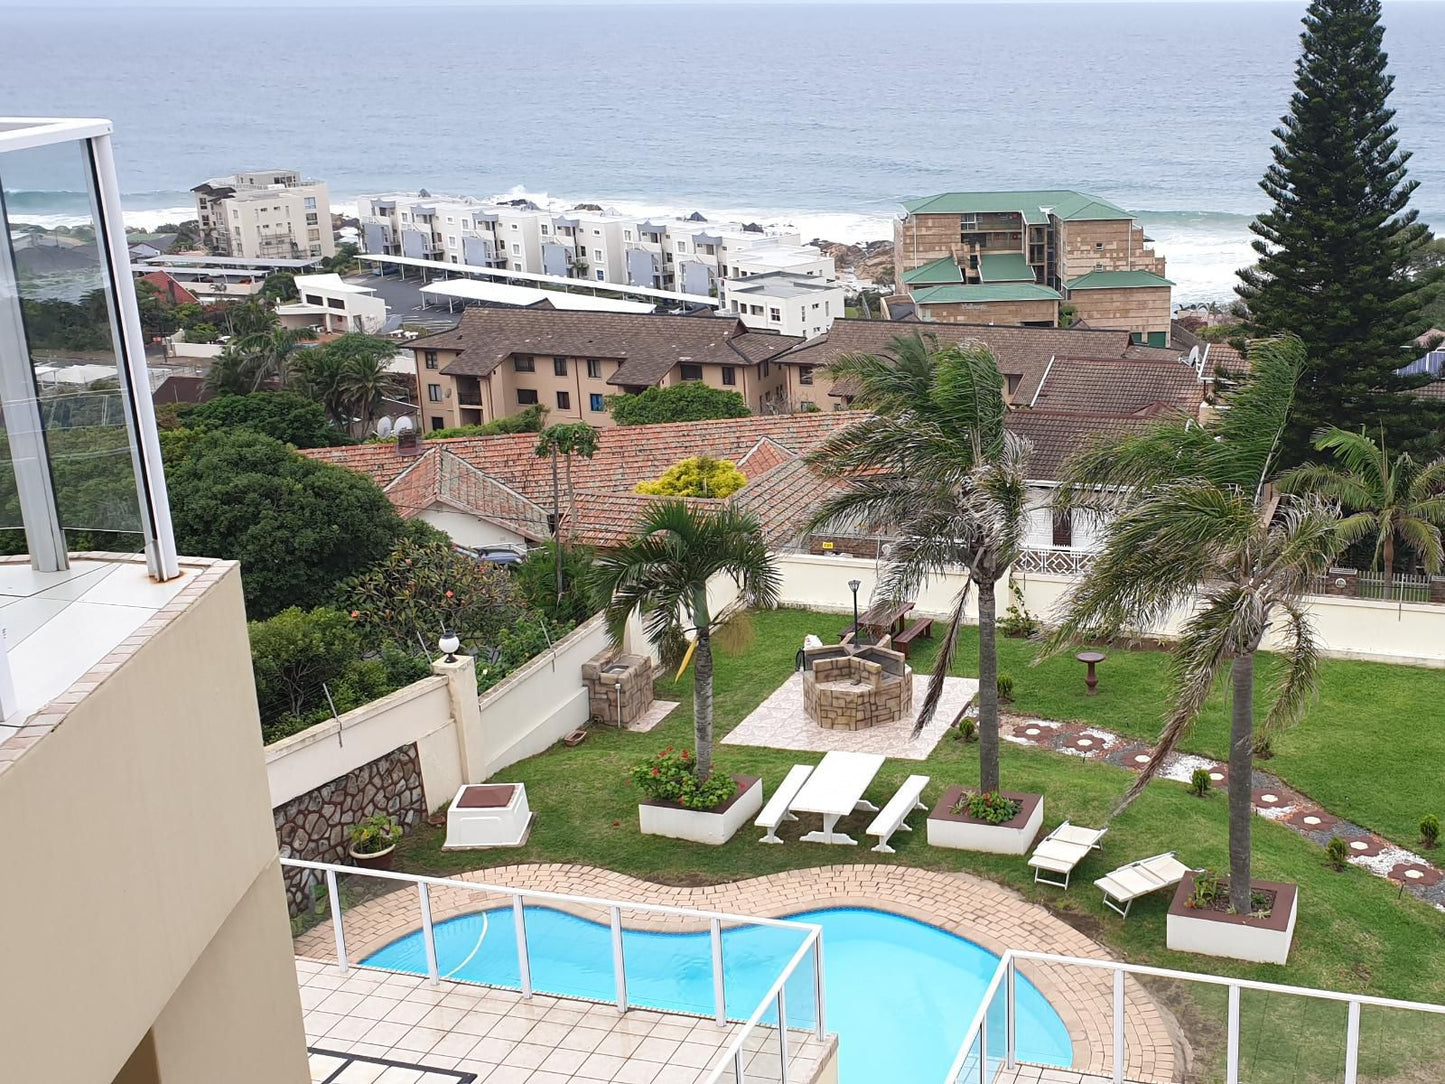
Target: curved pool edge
991, 916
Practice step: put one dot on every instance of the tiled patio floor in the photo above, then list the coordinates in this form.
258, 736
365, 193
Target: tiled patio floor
1032, 1074
779, 723
505, 1039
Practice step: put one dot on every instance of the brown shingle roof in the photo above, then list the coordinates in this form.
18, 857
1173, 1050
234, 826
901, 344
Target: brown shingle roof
1127, 386
648, 346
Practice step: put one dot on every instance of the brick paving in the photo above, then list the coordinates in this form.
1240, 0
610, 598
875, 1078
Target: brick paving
988, 914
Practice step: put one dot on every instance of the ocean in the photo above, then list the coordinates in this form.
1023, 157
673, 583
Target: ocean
820, 115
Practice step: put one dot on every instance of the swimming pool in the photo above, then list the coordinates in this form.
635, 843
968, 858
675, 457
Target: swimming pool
900, 993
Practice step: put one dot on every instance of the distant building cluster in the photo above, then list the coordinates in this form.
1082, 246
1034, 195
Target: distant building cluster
271, 213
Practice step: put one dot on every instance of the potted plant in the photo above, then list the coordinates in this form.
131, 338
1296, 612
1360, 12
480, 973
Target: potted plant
374, 839
681, 802
998, 822
1202, 919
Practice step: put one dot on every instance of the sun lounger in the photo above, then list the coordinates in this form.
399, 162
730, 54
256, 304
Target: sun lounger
1127, 883
1063, 849
893, 815
776, 811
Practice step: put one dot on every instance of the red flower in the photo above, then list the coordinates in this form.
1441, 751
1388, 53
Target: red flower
450, 595
684, 754
355, 613
654, 771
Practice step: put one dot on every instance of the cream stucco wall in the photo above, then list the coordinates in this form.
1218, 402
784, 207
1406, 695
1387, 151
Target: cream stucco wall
468, 530
137, 830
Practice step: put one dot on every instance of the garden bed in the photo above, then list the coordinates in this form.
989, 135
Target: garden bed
962, 831
1213, 931
711, 826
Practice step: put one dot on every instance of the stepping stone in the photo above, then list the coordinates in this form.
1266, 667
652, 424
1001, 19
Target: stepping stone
1310, 819
1364, 846
1271, 799
1417, 874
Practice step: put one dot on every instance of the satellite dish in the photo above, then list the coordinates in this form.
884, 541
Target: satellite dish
383, 427
403, 425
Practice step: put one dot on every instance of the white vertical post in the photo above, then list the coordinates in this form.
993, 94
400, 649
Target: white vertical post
524, 958
738, 1066
335, 901
1231, 1065
820, 993
983, 1050
619, 968
1119, 1026
1352, 1045
783, 1033
1011, 1054
428, 934
719, 984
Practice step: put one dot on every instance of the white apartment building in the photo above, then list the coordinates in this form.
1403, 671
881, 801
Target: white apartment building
265, 214
793, 304
331, 304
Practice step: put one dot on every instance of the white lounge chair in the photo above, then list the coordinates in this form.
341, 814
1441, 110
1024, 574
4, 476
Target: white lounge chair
1127, 883
892, 817
1063, 849
776, 811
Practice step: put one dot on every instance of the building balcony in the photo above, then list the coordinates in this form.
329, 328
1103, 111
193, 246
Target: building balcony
469, 398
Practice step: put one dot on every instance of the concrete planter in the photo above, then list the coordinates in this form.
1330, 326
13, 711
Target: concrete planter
1236, 937
961, 832
711, 826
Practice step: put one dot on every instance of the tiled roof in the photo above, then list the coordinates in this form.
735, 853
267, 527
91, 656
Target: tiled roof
467, 489
1055, 436
984, 292
608, 519
764, 456
648, 346
416, 488
1122, 386
1118, 280
759, 346
380, 462
784, 498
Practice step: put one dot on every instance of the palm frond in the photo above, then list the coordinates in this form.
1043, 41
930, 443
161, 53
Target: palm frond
944, 662
1299, 662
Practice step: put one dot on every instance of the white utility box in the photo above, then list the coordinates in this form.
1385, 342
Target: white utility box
488, 815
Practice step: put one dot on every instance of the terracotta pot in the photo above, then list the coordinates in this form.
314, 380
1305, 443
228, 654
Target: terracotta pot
374, 860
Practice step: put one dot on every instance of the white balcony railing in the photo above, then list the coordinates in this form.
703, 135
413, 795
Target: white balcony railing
769, 1013
990, 1050
1054, 560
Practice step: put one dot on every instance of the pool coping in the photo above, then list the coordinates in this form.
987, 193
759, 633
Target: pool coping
990, 915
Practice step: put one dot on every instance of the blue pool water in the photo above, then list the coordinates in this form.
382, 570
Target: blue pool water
900, 993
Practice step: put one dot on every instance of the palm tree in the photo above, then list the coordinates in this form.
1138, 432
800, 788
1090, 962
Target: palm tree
577, 438
270, 355
367, 381
933, 464
662, 573
1195, 522
1388, 499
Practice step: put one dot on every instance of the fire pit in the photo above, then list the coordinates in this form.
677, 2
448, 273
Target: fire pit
854, 688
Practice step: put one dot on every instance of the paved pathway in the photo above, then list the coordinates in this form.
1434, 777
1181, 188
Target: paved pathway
1272, 799
988, 914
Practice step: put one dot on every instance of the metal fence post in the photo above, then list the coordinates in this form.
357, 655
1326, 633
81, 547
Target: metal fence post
335, 900
738, 1065
1231, 1066
619, 966
524, 958
983, 1051
1011, 1037
428, 934
1119, 1026
1352, 1045
783, 1033
719, 983
820, 994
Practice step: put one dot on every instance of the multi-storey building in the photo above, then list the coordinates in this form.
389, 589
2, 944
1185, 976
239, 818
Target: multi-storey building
801, 305
499, 361
266, 213
1017, 257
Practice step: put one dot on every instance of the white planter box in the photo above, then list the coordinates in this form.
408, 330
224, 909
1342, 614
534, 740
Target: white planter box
1236, 937
962, 833
488, 815
714, 827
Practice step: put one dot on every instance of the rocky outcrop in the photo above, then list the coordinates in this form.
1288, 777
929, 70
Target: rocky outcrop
867, 261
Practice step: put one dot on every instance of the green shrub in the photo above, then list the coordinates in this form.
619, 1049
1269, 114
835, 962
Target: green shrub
1199, 782
1337, 853
1430, 831
671, 776
281, 415
698, 476
1005, 688
1017, 621
376, 833
536, 578
1208, 888
968, 729
296, 652
689, 402
991, 808
524, 421
516, 645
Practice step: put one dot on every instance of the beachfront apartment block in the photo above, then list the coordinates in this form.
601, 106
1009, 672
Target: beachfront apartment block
794, 304
500, 361
271, 213
1020, 257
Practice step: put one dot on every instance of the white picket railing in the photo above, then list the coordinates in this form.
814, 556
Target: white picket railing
978, 1062
1053, 560
732, 1058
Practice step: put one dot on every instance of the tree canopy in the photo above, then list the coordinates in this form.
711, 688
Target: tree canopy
283, 415
698, 476
689, 402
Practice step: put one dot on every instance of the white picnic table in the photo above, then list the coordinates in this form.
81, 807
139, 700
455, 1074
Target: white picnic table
835, 789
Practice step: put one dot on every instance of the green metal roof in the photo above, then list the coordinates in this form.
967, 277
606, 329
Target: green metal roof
1118, 280
1005, 267
1002, 291
932, 274
1067, 205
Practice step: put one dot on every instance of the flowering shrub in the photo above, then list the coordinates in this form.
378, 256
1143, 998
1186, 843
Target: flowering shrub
991, 808
671, 776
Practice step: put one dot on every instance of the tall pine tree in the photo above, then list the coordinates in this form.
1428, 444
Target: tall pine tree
1337, 243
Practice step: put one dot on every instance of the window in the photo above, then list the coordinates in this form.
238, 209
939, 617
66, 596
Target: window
315, 250
827, 308
310, 203
434, 393
430, 357
596, 402
335, 303
765, 369
692, 372
756, 310
311, 219
524, 363
596, 233
729, 376
437, 423
313, 235
682, 246
627, 235
516, 249
1063, 529
775, 315
564, 400
597, 254
594, 368
815, 306
516, 267
313, 299
559, 366
1014, 379
514, 225
805, 374
544, 231
601, 276
527, 396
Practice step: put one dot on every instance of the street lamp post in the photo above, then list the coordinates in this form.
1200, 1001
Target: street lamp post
853, 586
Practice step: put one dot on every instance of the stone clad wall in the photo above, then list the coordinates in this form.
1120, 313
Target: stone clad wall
317, 825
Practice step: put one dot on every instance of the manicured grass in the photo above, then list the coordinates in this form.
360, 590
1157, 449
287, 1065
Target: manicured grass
1354, 932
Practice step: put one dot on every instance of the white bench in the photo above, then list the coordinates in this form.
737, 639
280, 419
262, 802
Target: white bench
776, 811
891, 818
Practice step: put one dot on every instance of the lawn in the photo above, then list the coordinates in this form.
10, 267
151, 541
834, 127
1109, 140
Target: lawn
1354, 931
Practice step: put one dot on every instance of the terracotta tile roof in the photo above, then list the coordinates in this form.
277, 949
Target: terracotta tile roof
468, 489
415, 489
764, 456
608, 519
1219, 356
784, 498
1055, 436
648, 346
1124, 386
379, 461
